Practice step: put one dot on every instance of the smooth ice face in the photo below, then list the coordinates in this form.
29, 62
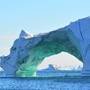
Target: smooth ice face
28, 51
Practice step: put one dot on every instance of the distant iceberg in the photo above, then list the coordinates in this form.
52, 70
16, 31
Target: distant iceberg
50, 67
70, 67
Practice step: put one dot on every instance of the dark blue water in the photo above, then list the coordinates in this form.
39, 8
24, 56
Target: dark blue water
54, 83
54, 80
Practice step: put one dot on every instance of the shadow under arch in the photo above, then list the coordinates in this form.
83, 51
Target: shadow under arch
46, 48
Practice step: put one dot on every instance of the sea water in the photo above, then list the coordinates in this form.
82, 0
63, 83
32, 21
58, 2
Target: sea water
46, 83
51, 73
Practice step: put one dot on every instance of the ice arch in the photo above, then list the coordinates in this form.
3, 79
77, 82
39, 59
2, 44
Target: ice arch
28, 51
48, 44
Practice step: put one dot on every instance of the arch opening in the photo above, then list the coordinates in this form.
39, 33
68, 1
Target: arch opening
60, 60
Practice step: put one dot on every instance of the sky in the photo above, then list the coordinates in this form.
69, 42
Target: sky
37, 16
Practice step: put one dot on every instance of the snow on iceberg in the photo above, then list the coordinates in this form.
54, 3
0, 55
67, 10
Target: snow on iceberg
25, 34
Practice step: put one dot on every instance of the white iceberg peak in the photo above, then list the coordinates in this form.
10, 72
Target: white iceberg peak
25, 34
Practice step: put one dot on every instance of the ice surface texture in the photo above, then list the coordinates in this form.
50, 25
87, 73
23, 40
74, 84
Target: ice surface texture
28, 51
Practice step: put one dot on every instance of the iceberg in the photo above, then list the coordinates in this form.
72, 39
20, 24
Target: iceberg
50, 67
28, 51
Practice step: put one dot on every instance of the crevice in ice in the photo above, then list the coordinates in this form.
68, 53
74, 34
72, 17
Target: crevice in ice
80, 30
